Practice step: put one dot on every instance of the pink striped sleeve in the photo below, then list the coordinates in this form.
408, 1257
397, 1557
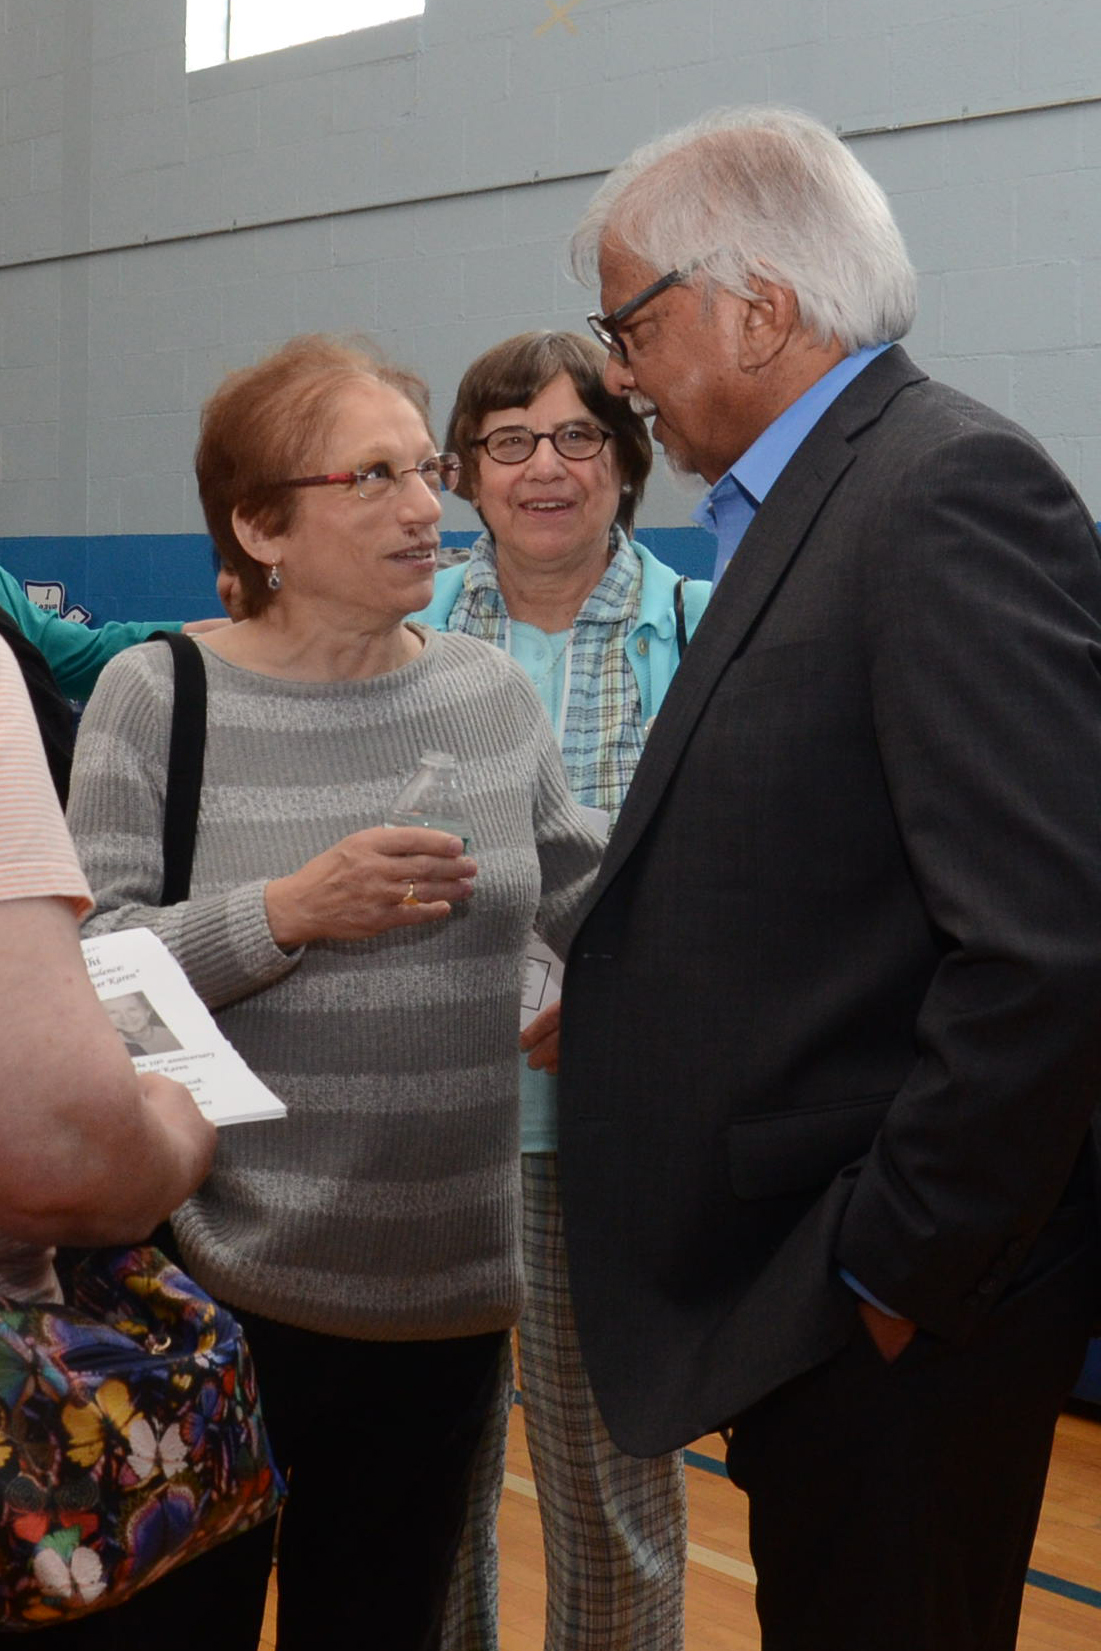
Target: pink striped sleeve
36, 852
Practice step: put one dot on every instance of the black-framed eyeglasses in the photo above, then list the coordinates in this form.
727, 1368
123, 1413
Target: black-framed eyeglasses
513, 443
375, 481
606, 327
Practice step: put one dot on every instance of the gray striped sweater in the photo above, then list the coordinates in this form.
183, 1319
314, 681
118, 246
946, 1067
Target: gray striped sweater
385, 1206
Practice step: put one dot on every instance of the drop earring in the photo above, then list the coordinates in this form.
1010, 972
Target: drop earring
275, 578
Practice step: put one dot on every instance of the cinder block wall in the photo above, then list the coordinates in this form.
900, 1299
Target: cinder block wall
419, 181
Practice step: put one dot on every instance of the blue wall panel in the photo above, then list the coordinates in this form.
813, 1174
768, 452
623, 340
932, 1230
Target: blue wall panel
121, 576
170, 576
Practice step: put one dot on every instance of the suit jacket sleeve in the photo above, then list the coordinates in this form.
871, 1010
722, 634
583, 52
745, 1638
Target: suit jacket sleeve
982, 590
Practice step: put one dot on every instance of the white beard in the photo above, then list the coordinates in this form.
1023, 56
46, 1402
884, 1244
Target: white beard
686, 480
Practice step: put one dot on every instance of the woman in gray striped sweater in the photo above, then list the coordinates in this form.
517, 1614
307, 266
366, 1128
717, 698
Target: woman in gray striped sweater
370, 974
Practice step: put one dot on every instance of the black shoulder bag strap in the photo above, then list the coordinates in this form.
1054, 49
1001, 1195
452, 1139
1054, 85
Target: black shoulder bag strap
186, 746
678, 609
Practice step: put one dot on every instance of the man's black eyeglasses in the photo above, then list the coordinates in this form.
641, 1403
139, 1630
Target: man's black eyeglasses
606, 327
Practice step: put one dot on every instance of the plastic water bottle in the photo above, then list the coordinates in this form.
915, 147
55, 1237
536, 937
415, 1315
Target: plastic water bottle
433, 797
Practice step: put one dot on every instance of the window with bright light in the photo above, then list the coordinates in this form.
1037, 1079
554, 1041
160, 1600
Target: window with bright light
220, 30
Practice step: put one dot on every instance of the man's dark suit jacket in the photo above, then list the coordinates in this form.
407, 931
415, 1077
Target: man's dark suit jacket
836, 1001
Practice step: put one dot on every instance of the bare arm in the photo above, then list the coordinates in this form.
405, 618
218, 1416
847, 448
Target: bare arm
89, 1151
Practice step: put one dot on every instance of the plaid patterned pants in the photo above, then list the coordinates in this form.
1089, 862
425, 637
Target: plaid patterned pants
614, 1527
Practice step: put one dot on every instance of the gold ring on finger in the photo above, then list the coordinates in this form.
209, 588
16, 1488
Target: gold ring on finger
411, 897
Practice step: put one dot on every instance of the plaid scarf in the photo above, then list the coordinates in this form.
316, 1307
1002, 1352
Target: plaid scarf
603, 734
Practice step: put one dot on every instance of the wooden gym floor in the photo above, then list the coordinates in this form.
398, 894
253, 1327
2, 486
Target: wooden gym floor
1062, 1609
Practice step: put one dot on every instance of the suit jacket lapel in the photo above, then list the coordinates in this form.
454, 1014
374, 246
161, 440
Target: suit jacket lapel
773, 539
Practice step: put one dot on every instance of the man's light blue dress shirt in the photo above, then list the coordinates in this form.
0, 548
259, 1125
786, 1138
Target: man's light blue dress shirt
735, 498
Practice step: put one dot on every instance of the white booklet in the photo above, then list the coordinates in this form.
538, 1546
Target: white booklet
543, 968
167, 1028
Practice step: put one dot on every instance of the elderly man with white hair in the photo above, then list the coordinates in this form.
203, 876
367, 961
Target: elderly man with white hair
832, 1022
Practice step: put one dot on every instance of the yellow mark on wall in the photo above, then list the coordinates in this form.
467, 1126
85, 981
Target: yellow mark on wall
558, 14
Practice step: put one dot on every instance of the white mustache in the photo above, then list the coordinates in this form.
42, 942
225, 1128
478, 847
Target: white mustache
641, 405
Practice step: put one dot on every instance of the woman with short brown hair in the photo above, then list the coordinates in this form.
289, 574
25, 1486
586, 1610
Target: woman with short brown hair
556, 468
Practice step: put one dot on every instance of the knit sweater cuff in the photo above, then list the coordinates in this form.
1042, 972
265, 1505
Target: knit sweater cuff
232, 937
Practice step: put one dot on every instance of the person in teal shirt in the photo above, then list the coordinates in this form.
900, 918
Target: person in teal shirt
77, 653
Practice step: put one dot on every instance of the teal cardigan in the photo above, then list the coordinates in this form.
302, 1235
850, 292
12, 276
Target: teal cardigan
653, 655
75, 653
651, 643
